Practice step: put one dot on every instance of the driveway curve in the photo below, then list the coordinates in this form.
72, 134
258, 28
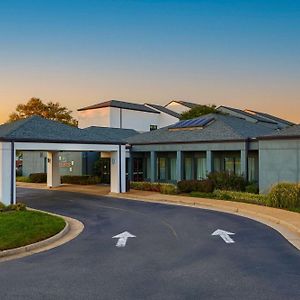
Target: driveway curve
173, 256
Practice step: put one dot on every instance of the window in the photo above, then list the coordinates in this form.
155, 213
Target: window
188, 168
201, 168
162, 168
173, 162
153, 127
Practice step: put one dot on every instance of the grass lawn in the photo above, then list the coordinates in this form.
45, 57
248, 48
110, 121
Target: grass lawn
20, 228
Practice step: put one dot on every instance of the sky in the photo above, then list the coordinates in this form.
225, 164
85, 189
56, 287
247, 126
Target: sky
243, 53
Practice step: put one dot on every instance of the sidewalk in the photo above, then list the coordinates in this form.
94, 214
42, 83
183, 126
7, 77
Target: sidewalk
285, 222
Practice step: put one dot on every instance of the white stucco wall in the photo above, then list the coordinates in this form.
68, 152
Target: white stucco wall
177, 107
279, 161
94, 117
133, 119
166, 120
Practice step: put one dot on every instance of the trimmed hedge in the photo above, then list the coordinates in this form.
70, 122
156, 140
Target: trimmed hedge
228, 181
203, 186
38, 177
12, 207
81, 180
233, 196
285, 195
164, 188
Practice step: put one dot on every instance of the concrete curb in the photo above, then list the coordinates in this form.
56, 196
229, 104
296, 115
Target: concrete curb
289, 231
72, 229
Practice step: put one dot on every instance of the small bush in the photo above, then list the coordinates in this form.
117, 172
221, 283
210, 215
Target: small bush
81, 180
228, 181
12, 207
188, 186
233, 196
285, 195
38, 177
164, 188
23, 179
252, 188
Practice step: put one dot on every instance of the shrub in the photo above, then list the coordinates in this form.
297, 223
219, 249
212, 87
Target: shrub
228, 181
252, 188
188, 186
81, 180
23, 179
38, 177
12, 207
164, 188
233, 196
284, 195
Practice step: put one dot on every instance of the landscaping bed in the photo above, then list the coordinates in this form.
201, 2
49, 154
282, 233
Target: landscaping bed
22, 227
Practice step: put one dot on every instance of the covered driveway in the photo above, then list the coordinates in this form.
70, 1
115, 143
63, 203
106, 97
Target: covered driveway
38, 134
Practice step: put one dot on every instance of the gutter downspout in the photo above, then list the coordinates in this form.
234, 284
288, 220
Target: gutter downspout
13, 171
120, 169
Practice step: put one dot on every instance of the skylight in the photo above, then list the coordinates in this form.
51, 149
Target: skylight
191, 124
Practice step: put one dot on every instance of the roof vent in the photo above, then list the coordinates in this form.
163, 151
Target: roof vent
198, 123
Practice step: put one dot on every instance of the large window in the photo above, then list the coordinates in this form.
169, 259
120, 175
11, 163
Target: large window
201, 168
166, 166
188, 168
227, 162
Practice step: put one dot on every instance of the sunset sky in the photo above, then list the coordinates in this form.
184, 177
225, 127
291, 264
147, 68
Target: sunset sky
240, 53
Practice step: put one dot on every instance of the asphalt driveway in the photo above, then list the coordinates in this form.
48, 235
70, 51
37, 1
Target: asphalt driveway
173, 256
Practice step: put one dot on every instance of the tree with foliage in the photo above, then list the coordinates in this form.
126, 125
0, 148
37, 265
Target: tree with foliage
198, 111
50, 110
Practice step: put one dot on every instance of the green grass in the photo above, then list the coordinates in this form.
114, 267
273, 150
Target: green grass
23, 179
20, 228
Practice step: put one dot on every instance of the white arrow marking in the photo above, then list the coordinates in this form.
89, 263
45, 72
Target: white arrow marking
122, 238
225, 235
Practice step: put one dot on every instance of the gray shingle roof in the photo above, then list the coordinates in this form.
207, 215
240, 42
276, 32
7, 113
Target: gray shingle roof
116, 134
290, 132
164, 110
224, 128
271, 117
121, 104
38, 129
185, 103
249, 115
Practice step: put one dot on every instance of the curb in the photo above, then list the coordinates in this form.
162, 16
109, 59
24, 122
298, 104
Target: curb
289, 231
71, 230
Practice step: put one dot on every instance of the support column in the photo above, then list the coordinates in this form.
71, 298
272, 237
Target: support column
244, 163
209, 168
7, 173
118, 171
153, 163
53, 177
179, 166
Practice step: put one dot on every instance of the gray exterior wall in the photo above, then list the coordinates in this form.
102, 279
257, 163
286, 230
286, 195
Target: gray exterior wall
279, 161
35, 162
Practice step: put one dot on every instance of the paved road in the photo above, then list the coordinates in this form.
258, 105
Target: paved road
173, 255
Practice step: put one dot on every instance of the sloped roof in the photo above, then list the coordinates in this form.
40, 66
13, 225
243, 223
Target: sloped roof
223, 128
271, 117
116, 134
164, 110
289, 132
248, 115
38, 129
184, 103
120, 104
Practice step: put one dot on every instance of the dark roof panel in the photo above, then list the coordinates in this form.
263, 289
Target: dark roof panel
120, 104
164, 110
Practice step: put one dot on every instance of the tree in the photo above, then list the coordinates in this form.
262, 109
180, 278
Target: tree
50, 110
198, 111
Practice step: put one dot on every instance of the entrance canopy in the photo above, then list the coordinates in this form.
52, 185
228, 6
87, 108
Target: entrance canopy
39, 134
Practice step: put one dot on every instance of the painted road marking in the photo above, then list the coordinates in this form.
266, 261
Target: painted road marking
225, 235
122, 238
